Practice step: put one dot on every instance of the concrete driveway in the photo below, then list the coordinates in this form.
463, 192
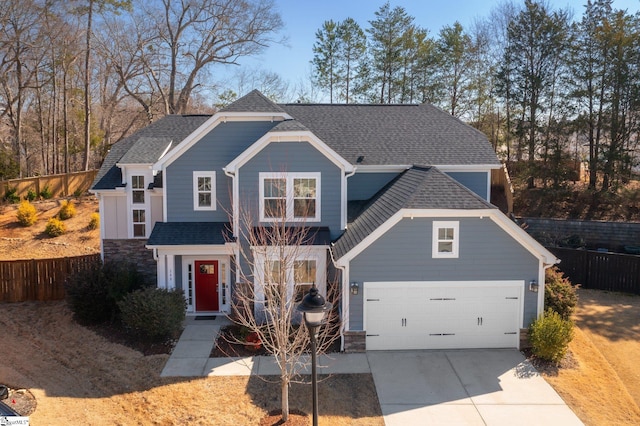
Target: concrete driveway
464, 387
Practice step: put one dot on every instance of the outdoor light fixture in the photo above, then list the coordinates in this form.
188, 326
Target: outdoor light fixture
533, 286
314, 309
354, 288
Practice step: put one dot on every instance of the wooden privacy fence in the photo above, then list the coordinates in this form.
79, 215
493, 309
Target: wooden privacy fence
600, 271
39, 279
59, 185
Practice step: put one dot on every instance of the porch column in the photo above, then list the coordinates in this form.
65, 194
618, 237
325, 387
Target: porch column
171, 273
161, 271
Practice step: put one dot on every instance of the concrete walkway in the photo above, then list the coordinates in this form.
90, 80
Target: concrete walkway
190, 357
464, 387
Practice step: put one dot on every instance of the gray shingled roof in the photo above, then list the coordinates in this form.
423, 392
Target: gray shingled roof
254, 101
155, 135
315, 236
395, 134
189, 233
416, 188
145, 149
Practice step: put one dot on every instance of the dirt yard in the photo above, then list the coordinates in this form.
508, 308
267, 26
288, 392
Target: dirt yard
18, 242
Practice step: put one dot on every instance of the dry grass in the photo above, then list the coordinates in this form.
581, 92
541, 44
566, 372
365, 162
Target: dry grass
602, 387
78, 377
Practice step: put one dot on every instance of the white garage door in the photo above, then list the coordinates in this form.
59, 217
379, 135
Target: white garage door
443, 315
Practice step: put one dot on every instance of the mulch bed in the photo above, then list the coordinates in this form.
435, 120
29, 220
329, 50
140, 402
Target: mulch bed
21, 401
296, 418
228, 345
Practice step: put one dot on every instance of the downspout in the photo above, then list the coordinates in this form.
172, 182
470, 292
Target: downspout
344, 269
343, 293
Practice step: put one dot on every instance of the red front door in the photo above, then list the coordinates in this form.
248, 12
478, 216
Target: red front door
206, 285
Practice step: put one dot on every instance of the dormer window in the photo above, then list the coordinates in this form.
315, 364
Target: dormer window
292, 196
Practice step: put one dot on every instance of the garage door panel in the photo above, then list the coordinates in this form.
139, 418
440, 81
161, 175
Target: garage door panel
414, 316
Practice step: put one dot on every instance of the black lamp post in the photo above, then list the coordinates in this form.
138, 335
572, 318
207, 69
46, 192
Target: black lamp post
314, 308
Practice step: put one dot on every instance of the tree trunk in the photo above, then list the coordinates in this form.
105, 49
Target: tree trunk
87, 97
284, 395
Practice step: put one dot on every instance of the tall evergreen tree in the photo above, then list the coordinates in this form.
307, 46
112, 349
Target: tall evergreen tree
455, 46
537, 38
325, 57
352, 45
387, 37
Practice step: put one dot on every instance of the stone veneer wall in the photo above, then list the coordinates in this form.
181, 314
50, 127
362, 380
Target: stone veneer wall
595, 234
355, 341
132, 250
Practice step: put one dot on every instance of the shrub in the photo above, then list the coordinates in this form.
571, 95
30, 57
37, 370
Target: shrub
121, 278
550, 336
94, 223
31, 195
55, 227
67, 211
559, 294
153, 313
46, 193
87, 295
93, 294
26, 213
10, 195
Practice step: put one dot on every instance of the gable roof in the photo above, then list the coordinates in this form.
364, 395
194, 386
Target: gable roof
145, 146
253, 101
417, 188
395, 134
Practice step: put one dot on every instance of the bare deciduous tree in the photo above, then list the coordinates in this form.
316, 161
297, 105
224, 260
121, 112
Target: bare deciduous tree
277, 264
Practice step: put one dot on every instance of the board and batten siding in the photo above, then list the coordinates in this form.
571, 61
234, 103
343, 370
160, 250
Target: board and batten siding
477, 182
114, 216
404, 254
363, 186
287, 157
211, 153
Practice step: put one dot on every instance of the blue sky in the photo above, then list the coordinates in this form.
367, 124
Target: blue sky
302, 18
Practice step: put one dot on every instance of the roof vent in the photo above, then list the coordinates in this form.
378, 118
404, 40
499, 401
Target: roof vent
360, 159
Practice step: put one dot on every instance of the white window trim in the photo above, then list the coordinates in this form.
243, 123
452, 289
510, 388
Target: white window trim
212, 175
263, 254
454, 254
289, 177
131, 206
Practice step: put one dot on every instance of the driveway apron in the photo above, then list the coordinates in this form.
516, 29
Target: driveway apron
464, 387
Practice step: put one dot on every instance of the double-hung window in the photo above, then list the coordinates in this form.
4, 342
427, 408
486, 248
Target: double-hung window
294, 197
204, 187
138, 207
137, 189
446, 240
288, 275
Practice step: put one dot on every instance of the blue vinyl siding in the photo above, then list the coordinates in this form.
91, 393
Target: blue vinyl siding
477, 182
294, 157
404, 254
214, 151
363, 186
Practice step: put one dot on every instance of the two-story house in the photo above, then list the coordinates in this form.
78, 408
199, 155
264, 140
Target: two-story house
397, 195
